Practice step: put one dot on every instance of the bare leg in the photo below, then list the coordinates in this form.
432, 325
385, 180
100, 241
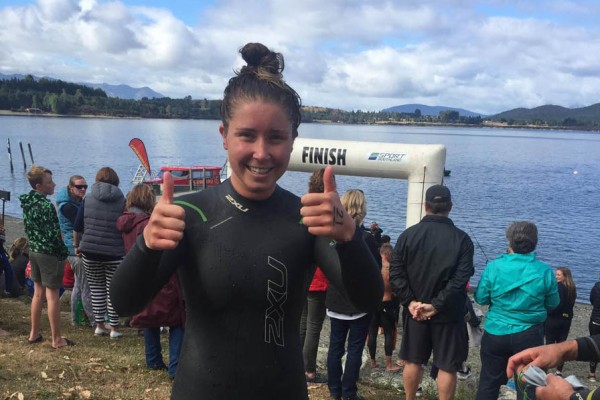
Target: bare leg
446, 383
37, 302
412, 375
389, 366
54, 317
373, 363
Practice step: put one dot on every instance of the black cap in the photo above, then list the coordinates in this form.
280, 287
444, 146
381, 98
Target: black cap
438, 194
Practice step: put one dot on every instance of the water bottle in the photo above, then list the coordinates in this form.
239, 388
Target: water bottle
79, 313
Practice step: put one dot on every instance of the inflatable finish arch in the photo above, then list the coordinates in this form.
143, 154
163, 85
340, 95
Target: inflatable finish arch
421, 164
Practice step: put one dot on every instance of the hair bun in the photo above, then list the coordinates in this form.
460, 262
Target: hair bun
257, 55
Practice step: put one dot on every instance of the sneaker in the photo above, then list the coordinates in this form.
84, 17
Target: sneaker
420, 391
115, 334
592, 377
158, 367
465, 374
100, 331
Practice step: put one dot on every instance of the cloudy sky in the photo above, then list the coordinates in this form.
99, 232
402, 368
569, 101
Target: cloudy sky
485, 56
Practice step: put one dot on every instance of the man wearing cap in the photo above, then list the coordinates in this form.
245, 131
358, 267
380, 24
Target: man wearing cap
430, 268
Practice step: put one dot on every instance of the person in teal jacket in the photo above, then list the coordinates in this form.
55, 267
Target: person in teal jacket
520, 290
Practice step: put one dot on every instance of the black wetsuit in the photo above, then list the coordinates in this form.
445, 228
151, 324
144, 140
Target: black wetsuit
244, 267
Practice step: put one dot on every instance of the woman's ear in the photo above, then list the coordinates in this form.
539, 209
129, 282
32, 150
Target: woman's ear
223, 135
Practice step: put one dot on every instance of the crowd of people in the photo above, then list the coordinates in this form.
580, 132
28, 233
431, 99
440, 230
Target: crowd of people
244, 289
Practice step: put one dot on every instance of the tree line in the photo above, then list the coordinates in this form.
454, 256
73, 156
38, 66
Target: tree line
64, 98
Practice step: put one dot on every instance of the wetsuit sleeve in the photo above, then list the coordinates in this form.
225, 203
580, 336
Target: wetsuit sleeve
399, 275
455, 287
353, 268
588, 348
141, 275
586, 394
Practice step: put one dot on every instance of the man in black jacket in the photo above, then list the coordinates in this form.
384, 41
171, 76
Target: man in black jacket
430, 268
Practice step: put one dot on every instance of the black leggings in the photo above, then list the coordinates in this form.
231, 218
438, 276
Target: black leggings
388, 323
594, 330
556, 330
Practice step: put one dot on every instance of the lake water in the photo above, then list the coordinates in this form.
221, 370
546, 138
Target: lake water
498, 175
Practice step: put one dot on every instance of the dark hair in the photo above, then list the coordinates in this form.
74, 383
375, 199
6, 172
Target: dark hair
315, 183
439, 208
261, 79
141, 196
107, 175
522, 237
385, 239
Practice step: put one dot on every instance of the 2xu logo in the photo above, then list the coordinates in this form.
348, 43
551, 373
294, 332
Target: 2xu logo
236, 204
277, 296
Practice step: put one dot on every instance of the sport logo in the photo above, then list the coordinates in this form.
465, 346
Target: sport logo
236, 204
388, 157
277, 296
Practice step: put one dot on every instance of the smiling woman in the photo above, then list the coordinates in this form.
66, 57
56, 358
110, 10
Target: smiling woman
244, 250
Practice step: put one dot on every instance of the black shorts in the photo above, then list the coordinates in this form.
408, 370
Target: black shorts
448, 341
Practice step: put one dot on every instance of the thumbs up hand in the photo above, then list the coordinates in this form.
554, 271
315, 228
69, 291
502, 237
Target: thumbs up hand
323, 213
167, 222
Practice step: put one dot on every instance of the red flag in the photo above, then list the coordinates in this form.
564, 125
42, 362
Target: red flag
140, 150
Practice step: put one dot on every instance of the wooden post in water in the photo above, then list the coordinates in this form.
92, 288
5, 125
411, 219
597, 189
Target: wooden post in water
23, 155
12, 170
30, 153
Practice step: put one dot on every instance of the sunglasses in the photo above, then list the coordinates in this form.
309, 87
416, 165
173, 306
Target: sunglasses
80, 186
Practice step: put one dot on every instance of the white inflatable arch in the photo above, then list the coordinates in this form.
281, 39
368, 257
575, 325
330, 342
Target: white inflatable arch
421, 164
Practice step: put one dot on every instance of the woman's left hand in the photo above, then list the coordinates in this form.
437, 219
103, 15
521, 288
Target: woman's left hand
323, 213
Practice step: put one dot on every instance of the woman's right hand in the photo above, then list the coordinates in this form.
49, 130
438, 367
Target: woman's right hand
167, 222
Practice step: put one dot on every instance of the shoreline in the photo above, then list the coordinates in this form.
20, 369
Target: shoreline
489, 125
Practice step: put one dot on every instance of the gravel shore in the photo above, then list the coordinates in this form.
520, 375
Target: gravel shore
579, 327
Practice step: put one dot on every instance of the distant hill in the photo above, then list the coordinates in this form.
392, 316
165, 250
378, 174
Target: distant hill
120, 91
431, 110
589, 114
125, 92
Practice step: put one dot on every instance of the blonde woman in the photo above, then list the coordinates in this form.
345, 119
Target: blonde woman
348, 325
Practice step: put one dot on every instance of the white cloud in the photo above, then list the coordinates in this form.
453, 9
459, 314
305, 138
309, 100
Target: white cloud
347, 54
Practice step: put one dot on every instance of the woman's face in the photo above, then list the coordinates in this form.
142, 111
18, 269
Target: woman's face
559, 276
258, 143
